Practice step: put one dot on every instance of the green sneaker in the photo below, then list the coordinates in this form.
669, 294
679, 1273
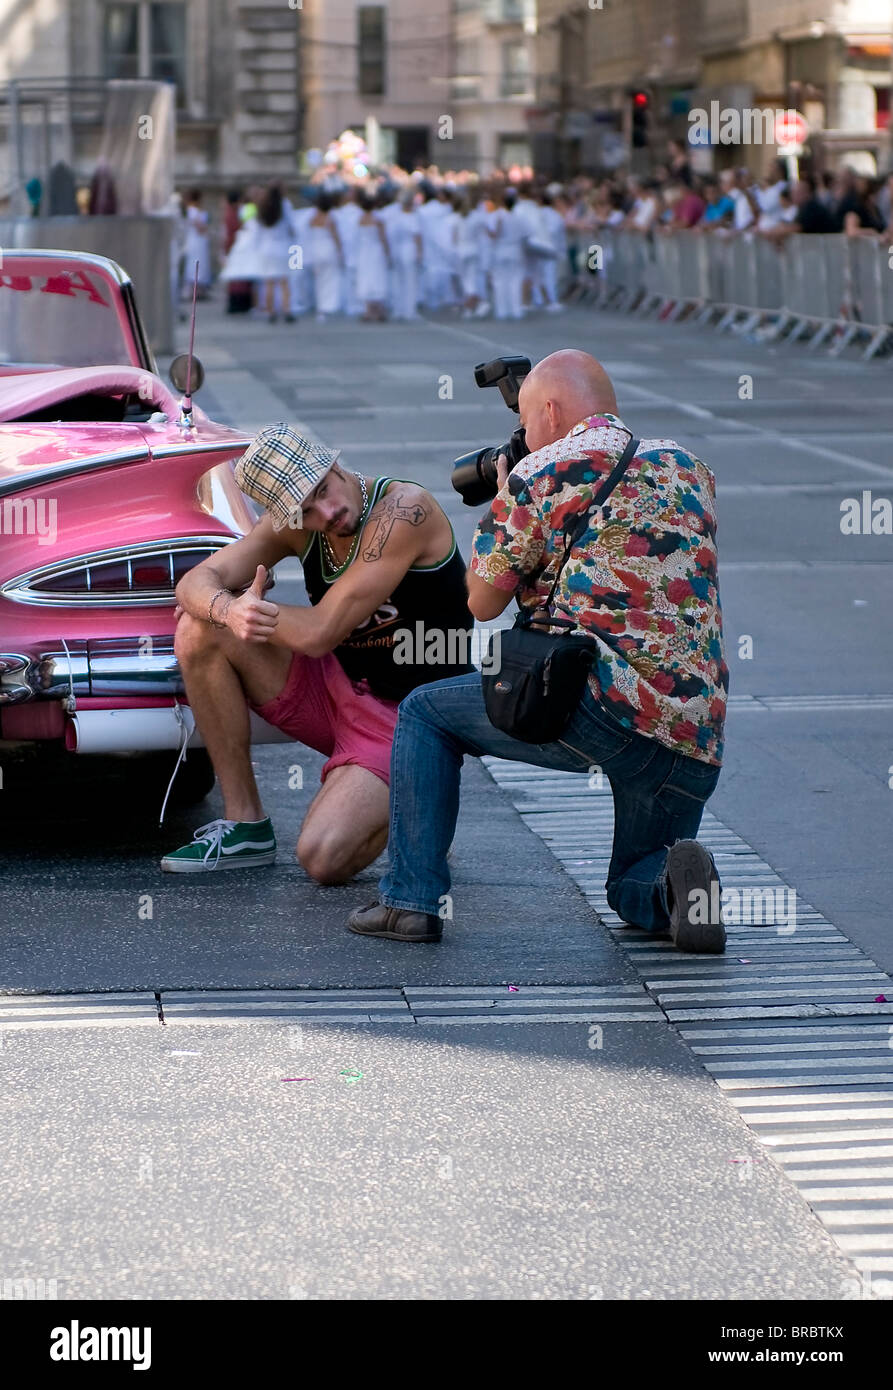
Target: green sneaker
224, 844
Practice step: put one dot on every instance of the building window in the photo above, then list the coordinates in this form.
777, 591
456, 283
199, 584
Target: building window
146, 38
515, 69
467, 78
507, 11
371, 44
514, 149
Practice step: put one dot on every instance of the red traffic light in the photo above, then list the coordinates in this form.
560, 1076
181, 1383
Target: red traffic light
640, 99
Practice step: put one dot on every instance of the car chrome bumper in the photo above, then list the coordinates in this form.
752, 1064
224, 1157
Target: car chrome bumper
143, 666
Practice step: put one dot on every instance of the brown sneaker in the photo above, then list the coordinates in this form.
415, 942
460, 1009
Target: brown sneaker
696, 923
394, 923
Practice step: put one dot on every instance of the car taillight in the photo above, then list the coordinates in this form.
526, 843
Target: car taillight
109, 579
142, 575
186, 560
154, 576
70, 583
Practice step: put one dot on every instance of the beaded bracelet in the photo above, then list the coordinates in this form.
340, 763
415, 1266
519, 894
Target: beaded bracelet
214, 599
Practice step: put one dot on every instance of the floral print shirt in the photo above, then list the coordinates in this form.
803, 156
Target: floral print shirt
641, 580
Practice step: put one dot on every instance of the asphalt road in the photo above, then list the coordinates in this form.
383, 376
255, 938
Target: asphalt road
478, 1159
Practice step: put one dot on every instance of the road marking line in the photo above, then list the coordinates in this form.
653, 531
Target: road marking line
794, 1102
760, 431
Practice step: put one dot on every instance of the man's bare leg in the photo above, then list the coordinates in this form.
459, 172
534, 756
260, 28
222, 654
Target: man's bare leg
219, 670
346, 826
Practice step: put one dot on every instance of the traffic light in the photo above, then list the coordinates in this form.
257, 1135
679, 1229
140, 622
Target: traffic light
641, 103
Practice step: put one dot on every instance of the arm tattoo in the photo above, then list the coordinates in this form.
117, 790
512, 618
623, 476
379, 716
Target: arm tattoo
392, 509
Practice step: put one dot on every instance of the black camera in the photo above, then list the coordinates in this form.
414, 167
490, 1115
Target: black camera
474, 474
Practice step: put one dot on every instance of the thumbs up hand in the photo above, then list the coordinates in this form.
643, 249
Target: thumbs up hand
251, 617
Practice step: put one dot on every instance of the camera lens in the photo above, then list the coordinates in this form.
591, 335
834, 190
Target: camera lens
472, 478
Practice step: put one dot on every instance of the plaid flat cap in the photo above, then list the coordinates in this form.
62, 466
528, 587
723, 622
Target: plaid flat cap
279, 468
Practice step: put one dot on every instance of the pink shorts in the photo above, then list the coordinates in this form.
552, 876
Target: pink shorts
320, 706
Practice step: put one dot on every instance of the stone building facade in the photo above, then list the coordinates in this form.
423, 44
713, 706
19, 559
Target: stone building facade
830, 59
257, 81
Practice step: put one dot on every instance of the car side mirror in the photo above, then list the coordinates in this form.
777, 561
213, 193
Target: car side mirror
179, 373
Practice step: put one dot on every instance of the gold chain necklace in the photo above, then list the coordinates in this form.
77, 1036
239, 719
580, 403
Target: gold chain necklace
334, 562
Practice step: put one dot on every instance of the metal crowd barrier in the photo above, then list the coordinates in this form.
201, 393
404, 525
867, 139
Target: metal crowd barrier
830, 290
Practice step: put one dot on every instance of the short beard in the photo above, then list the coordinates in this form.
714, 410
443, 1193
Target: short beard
356, 526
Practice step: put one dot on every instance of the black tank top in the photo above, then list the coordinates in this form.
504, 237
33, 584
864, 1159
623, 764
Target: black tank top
421, 633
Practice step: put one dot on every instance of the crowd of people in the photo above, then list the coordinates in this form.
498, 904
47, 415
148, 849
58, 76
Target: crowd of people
376, 250
734, 200
392, 243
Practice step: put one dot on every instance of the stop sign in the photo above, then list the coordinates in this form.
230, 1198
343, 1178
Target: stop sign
790, 128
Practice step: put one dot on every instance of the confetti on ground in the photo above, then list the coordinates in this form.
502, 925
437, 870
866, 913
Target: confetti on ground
513, 989
351, 1075
743, 961
881, 999
296, 1078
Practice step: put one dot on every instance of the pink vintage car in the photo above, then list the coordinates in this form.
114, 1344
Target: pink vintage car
109, 493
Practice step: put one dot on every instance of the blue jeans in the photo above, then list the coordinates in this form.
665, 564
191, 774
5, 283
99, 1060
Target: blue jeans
659, 795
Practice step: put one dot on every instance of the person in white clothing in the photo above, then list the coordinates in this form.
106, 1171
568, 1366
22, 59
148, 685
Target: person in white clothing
508, 234
435, 268
372, 261
743, 216
467, 245
447, 232
300, 278
243, 263
527, 211
645, 209
479, 217
554, 233
770, 197
326, 258
346, 214
388, 209
405, 240
198, 243
273, 244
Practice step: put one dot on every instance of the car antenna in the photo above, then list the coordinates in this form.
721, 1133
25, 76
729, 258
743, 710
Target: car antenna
185, 421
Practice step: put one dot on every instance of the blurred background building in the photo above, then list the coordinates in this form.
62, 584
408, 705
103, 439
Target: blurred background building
567, 85
493, 83
615, 81
381, 70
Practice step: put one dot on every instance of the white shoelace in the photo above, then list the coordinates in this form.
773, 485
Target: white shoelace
214, 832
185, 735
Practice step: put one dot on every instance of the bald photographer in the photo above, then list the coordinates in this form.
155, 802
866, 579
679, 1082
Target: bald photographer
616, 660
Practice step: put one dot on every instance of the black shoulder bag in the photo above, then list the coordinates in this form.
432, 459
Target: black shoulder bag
539, 679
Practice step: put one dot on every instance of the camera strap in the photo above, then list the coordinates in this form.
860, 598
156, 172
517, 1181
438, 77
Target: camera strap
575, 531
